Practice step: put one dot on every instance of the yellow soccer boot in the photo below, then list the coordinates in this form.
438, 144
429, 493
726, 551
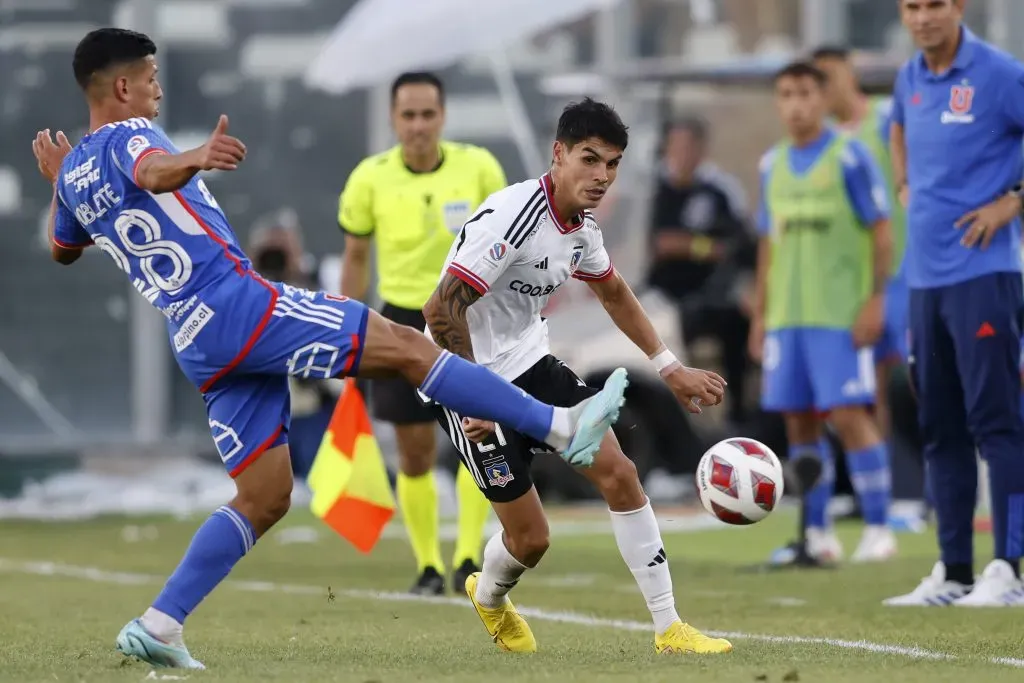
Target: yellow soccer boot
504, 624
682, 639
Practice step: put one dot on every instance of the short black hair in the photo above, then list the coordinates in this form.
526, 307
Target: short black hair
417, 77
107, 47
831, 52
801, 69
591, 119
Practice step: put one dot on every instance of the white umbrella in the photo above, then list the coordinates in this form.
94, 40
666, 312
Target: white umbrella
378, 39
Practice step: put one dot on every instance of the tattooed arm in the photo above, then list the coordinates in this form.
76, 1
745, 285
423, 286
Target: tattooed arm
445, 313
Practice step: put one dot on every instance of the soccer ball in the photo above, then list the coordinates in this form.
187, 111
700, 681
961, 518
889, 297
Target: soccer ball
739, 481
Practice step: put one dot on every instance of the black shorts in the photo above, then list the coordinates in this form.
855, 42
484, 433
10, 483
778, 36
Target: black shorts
395, 400
501, 464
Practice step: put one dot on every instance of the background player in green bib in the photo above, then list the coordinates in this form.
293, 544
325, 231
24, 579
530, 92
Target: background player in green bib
867, 119
412, 200
823, 265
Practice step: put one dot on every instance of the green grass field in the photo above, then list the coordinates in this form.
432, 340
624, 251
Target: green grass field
320, 611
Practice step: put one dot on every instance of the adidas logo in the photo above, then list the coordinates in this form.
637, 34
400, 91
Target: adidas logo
660, 558
542, 265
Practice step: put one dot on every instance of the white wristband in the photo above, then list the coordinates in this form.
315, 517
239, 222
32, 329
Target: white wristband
665, 361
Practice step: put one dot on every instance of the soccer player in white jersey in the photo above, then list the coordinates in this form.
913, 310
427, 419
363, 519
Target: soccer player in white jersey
523, 243
126, 189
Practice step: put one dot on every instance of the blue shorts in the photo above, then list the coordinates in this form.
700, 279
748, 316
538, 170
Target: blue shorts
895, 342
299, 333
815, 369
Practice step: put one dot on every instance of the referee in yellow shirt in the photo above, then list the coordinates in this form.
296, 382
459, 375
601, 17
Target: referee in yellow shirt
412, 200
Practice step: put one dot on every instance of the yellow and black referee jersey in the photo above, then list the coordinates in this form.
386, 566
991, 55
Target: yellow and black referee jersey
415, 217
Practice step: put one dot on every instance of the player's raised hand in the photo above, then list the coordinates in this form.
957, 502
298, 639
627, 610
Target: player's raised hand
221, 152
50, 155
695, 387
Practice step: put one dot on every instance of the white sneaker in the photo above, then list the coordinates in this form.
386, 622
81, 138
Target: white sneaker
996, 587
934, 590
877, 544
824, 545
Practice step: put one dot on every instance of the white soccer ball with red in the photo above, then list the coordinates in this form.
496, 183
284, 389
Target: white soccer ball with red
739, 481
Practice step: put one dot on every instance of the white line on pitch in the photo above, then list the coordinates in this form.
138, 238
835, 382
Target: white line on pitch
128, 578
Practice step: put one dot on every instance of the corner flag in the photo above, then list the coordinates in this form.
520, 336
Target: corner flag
351, 491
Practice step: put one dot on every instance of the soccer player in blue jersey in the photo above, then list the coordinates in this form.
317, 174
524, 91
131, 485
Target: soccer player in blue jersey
125, 189
957, 131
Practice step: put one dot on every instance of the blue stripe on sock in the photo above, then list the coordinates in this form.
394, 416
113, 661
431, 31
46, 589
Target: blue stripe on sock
435, 371
242, 524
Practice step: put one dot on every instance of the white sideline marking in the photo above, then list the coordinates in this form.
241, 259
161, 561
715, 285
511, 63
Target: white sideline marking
126, 578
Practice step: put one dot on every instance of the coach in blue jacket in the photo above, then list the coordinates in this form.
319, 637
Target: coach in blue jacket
957, 132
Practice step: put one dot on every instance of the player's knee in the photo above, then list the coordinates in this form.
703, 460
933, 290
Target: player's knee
264, 509
265, 489
277, 507
416, 459
417, 453
802, 428
855, 427
529, 544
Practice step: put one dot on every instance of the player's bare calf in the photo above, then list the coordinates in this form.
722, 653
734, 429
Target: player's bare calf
614, 475
265, 489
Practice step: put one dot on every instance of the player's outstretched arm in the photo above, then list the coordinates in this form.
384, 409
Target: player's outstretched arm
445, 313
160, 173
691, 386
61, 254
626, 312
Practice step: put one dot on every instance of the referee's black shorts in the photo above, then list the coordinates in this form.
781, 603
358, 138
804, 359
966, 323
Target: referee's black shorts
501, 464
395, 400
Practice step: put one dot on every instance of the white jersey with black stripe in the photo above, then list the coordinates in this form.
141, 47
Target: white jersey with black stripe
516, 251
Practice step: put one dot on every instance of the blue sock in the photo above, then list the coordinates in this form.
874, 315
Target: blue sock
219, 544
474, 391
818, 497
872, 480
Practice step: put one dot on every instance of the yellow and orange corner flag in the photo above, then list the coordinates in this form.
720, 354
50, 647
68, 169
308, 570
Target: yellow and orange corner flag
351, 491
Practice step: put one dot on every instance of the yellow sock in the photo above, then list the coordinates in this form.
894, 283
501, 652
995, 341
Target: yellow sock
417, 498
473, 511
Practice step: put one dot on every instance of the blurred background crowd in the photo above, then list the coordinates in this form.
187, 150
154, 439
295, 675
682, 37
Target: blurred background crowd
86, 373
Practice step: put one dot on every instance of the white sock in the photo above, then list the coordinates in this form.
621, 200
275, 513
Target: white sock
639, 541
162, 626
500, 573
563, 422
